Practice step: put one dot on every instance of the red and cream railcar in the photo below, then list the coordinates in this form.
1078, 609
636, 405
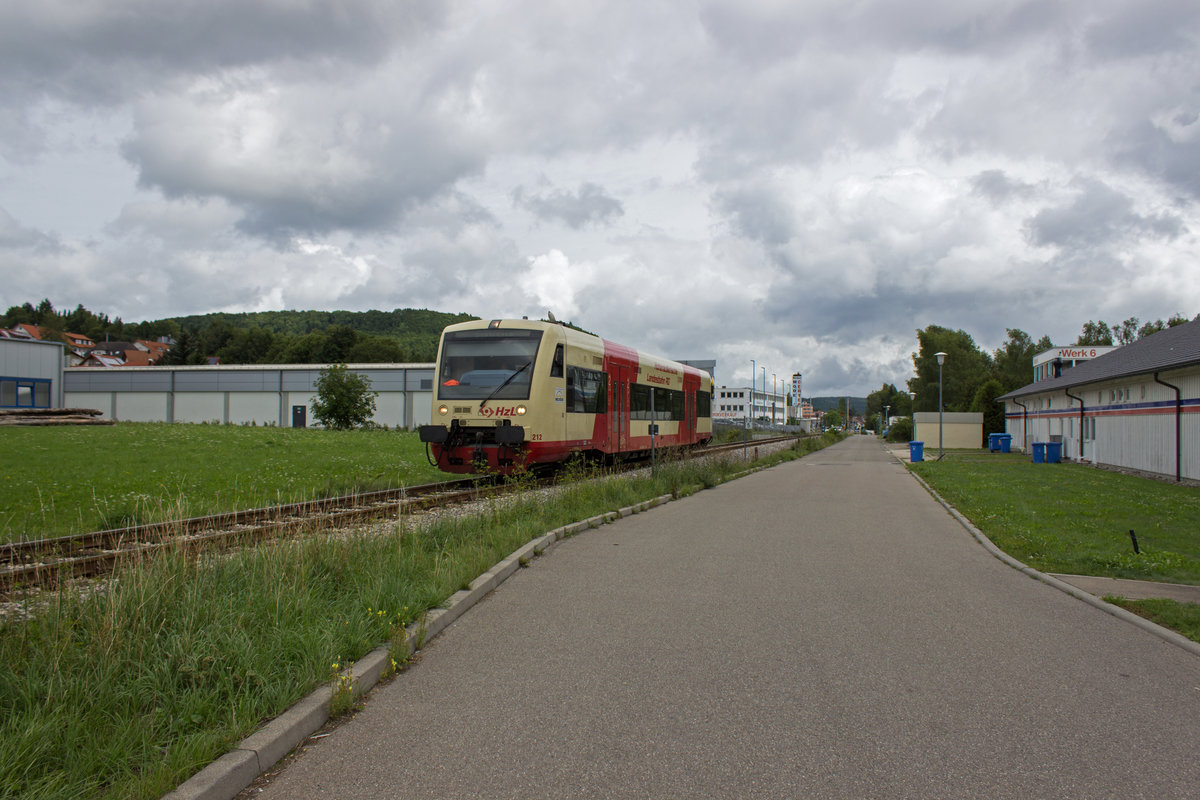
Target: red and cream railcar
517, 393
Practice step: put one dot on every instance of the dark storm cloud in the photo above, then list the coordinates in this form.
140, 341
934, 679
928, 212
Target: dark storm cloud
1097, 216
588, 205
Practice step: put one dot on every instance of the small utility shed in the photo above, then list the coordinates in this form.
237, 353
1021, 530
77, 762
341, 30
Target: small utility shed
1137, 407
963, 429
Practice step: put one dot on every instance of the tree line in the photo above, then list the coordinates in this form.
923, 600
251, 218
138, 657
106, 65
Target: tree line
269, 337
972, 379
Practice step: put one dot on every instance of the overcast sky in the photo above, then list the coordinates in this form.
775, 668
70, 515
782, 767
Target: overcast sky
797, 182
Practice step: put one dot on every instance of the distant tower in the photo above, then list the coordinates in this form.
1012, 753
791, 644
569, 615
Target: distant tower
796, 389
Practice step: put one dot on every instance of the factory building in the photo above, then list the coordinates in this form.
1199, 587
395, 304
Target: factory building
1135, 407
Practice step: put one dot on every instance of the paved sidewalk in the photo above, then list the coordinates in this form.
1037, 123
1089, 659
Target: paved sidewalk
820, 629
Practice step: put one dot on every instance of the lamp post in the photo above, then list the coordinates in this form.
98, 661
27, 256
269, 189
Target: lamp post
750, 408
774, 389
883, 422
764, 371
941, 357
912, 414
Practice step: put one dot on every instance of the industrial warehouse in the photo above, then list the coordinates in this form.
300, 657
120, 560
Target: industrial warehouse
1134, 407
33, 377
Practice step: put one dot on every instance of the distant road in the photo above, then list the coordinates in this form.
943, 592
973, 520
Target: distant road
822, 629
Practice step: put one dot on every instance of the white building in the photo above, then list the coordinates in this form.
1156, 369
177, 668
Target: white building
1136, 406
1052, 363
255, 393
739, 403
31, 374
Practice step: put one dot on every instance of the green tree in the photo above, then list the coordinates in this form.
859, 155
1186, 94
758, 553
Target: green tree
1014, 361
965, 369
375, 350
888, 395
344, 399
985, 401
1127, 331
247, 346
1095, 333
833, 419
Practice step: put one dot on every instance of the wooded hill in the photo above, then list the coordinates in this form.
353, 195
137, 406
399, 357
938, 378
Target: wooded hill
265, 337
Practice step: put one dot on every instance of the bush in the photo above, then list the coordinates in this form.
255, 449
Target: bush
344, 399
901, 431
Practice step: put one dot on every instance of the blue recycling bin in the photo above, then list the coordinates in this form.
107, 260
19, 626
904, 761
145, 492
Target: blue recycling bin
1053, 452
1039, 452
916, 451
1005, 440
994, 442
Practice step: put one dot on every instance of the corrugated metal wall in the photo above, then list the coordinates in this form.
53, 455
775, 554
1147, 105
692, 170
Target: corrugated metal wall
263, 395
1134, 421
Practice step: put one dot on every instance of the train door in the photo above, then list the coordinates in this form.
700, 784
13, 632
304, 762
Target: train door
618, 434
689, 417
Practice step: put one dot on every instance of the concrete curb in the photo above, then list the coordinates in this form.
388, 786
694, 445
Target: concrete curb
224, 778
1128, 616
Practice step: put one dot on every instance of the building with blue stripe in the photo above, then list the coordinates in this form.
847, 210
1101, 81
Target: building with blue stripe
1136, 407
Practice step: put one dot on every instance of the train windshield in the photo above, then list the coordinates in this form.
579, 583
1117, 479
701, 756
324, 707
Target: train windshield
487, 364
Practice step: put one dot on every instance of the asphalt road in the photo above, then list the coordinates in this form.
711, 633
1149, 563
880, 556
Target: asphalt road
821, 629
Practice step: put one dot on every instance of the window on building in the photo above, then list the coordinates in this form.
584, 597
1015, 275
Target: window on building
24, 393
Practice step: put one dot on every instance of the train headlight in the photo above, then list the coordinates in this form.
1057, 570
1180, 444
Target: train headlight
520, 411
443, 410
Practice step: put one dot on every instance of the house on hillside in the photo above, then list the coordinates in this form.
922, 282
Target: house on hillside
1135, 407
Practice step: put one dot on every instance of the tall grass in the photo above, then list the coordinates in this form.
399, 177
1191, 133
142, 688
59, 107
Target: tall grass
126, 692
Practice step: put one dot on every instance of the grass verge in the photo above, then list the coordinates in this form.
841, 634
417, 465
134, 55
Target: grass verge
126, 692
1073, 519
66, 479
1183, 618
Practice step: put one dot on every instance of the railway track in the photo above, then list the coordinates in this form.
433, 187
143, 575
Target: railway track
46, 563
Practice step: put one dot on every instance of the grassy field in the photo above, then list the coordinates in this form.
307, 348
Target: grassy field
127, 692
1073, 519
60, 480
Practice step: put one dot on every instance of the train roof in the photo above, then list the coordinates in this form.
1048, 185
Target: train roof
575, 335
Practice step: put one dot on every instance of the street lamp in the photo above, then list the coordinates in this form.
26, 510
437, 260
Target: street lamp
764, 369
883, 423
750, 408
912, 413
941, 357
773, 391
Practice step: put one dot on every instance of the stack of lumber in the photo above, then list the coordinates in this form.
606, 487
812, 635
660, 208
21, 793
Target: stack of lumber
52, 416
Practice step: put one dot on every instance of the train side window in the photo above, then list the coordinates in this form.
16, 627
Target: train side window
703, 404
556, 367
587, 391
639, 401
